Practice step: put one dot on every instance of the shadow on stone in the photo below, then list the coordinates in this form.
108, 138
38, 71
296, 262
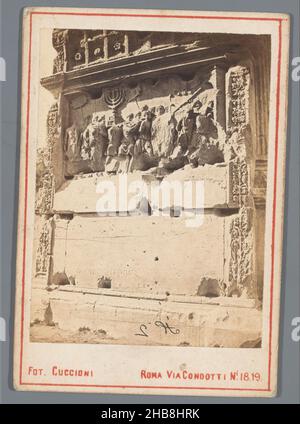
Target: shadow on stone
48, 316
104, 283
60, 279
208, 287
252, 343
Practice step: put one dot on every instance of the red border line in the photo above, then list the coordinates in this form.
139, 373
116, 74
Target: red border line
240, 18
279, 20
146, 387
274, 200
25, 200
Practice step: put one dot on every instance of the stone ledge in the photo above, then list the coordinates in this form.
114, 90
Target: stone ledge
120, 320
221, 300
79, 195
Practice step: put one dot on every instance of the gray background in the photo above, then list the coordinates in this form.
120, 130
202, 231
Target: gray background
289, 363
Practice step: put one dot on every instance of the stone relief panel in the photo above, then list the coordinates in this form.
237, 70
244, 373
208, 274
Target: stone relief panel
158, 125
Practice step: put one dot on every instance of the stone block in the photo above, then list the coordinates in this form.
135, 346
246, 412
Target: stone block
148, 254
125, 320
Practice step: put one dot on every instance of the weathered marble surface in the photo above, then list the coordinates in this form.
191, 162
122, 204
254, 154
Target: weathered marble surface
119, 320
139, 253
80, 195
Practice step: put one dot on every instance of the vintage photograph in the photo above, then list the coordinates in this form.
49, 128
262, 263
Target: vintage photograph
128, 249
151, 201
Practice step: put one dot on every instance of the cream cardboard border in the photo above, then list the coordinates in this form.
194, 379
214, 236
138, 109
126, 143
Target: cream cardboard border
119, 365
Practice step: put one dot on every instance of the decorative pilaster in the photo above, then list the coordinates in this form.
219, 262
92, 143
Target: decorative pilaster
238, 183
241, 243
238, 83
44, 249
45, 188
241, 266
45, 178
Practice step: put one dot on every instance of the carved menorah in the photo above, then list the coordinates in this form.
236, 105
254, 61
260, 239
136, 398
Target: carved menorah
114, 97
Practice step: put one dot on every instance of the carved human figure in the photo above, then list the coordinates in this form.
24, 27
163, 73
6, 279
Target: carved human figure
197, 106
126, 149
146, 126
99, 143
85, 150
72, 143
143, 157
164, 133
205, 148
210, 110
90, 146
145, 110
115, 137
130, 132
186, 129
138, 117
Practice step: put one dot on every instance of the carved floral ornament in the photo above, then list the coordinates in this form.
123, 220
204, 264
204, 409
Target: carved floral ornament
241, 248
59, 38
44, 248
52, 122
45, 180
238, 92
238, 182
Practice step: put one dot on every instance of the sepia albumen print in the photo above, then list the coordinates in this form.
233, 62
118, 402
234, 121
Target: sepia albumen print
134, 112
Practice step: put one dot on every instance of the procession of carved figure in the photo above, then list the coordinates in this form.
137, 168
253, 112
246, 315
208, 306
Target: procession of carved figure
159, 137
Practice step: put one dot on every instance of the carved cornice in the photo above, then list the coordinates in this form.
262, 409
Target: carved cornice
145, 65
54, 83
